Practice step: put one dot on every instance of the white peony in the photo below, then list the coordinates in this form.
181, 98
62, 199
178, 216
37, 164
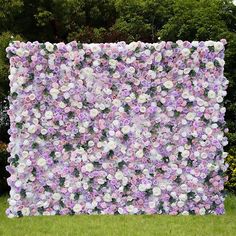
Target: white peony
168, 84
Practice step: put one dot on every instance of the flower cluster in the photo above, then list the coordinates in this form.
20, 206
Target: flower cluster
117, 128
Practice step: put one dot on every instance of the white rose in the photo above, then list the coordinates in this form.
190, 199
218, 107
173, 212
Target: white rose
204, 155
21, 168
41, 162
19, 52
221, 61
168, 53
202, 211
107, 197
185, 52
25, 154
152, 74
111, 145
185, 153
62, 105
183, 197
209, 43
190, 116
180, 204
48, 115
185, 213
125, 129
156, 191
131, 70
116, 75
208, 130
93, 113
18, 183
158, 57
142, 98
119, 175
56, 196
139, 153
218, 46
112, 63
116, 102
89, 167
152, 205
210, 65
142, 187
49, 46
168, 84
132, 46
195, 44
184, 187
32, 129
143, 109
54, 93
130, 208
77, 208
25, 211
211, 94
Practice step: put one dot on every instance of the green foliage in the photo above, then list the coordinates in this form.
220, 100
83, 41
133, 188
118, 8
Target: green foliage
231, 171
124, 20
3, 173
5, 39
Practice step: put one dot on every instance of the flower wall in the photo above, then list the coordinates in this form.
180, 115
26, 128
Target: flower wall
117, 128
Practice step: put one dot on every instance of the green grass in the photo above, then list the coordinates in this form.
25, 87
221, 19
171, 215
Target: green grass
121, 225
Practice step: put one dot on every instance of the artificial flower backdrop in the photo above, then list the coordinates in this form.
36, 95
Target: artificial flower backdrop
117, 128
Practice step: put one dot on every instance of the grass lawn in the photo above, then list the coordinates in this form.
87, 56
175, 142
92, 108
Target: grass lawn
120, 224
